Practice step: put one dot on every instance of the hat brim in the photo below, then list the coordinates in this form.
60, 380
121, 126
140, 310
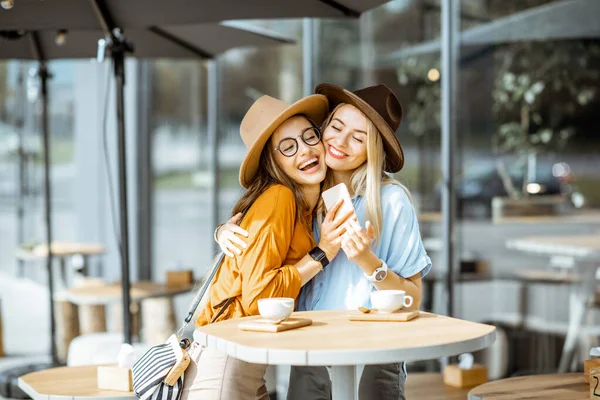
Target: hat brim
393, 149
315, 107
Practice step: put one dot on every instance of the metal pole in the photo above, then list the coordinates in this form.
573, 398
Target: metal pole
44, 75
20, 126
307, 57
213, 142
118, 48
449, 53
144, 173
118, 56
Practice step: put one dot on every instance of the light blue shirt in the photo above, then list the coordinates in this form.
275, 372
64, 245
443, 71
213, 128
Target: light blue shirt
342, 285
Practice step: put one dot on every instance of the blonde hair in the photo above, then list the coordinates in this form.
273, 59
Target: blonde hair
368, 179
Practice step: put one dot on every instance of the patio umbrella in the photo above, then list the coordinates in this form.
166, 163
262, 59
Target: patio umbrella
80, 14
113, 16
180, 42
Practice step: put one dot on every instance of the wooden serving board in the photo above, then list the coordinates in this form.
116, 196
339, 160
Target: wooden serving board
401, 316
263, 325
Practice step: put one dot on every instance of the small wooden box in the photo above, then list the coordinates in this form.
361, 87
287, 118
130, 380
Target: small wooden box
115, 378
465, 378
594, 378
180, 278
587, 366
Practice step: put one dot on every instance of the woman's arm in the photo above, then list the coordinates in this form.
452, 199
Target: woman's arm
400, 247
271, 227
261, 268
357, 246
332, 230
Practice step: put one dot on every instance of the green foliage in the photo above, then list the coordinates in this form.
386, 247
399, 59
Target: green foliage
539, 90
422, 114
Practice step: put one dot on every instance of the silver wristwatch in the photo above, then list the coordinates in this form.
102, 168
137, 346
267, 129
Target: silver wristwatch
379, 274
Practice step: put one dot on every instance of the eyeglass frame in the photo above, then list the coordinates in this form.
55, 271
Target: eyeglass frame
295, 139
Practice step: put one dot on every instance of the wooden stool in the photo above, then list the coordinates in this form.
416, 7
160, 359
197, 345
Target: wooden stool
92, 318
67, 326
547, 387
430, 386
158, 319
116, 313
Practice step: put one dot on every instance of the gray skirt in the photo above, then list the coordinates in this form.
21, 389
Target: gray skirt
381, 382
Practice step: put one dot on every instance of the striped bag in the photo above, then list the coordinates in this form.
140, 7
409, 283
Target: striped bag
158, 374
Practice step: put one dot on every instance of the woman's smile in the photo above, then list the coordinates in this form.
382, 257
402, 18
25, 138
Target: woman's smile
336, 153
310, 165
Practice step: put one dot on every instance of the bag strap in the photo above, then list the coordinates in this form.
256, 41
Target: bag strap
202, 292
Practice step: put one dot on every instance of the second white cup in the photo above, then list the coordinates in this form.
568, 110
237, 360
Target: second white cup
388, 301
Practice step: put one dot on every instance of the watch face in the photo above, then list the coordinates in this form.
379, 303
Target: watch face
380, 275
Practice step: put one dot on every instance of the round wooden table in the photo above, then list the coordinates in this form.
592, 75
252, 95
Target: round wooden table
104, 294
335, 341
156, 299
547, 387
68, 383
583, 253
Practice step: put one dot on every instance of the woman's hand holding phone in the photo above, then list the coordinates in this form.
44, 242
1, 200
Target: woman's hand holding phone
333, 229
357, 244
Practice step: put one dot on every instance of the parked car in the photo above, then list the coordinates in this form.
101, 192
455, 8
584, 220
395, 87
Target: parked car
478, 185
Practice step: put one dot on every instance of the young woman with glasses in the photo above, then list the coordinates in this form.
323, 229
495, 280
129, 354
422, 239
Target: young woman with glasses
282, 173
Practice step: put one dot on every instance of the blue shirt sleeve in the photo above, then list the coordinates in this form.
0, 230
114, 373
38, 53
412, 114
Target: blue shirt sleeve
400, 245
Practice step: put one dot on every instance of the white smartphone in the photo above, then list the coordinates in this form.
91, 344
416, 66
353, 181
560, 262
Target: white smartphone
332, 195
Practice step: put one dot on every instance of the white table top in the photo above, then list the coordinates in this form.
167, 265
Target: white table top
333, 340
68, 383
577, 246
577, 217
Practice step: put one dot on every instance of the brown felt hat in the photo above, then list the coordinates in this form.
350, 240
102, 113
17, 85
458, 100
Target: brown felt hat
382, 107
264, 117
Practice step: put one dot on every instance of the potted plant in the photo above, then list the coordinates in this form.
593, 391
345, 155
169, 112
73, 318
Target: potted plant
539, 89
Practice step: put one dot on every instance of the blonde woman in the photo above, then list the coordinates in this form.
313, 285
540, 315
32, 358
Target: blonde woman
382, 250
282, 172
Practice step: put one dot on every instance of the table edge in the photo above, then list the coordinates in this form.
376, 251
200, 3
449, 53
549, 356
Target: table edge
38, 396
476, 396
526, 246
341, 357
90, 300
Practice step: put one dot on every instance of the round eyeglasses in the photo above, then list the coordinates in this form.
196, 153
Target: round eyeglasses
289, 146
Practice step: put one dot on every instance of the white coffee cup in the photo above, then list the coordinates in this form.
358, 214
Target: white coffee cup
276, 308
388, 301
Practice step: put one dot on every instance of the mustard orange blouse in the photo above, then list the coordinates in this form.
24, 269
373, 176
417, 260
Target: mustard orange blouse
276, 241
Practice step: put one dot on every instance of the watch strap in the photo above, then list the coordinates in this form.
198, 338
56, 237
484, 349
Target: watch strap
319, 255
373, 277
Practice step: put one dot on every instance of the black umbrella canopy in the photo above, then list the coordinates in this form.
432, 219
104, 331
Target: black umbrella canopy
115, 17
186, 41
126, 14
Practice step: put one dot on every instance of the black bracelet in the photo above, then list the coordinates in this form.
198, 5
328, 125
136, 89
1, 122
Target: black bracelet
319, 255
